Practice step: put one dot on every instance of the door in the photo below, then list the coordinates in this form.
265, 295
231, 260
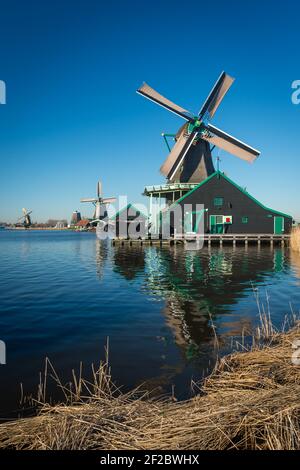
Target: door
278, 225
216, 224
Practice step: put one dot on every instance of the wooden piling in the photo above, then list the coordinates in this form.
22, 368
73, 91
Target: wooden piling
209, 240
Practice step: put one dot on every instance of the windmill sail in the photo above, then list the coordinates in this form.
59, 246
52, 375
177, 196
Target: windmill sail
99, 203
109, 200
190, 158
153, 95
99, 189
25, 217
89, 199
198, 164
177, 150
177, 164
230, 144
216, 95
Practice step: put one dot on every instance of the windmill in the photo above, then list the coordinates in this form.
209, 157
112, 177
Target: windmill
190, 160
26, 218
99, 203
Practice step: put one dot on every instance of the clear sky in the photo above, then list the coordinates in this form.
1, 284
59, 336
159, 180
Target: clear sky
72, 115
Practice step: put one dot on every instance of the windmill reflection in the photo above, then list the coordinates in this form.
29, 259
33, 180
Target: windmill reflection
129, 261
200, 288
202, 299
102, 249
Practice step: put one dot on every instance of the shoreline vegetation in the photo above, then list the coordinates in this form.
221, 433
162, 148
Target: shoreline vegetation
250, 401
295, 239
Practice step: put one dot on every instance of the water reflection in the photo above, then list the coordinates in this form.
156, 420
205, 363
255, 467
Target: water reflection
200, 289
102, 252
63, 294
129, 262
295, 263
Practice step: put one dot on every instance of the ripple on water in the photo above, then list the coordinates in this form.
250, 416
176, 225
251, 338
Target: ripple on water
64, 293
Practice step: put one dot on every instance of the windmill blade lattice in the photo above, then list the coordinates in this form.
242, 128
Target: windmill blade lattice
197, 129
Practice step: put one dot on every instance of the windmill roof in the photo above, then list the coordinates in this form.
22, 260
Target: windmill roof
82, 222
222, 175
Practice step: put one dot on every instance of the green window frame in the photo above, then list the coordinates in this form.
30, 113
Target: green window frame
245, 219
218, 201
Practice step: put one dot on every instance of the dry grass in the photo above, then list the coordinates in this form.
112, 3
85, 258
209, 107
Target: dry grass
251, 401
295, 239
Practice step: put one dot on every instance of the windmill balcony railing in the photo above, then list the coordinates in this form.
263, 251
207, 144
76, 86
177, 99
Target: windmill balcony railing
169, 187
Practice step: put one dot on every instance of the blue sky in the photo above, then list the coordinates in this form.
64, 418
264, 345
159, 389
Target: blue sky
72, 115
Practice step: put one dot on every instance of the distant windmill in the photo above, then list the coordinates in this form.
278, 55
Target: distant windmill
26, 218
190, 159
99, 202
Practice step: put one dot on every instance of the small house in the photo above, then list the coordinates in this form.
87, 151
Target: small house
129, 222
83, 224
228, 208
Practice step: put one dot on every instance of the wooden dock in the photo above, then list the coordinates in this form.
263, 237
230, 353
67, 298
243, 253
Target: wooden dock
209, 240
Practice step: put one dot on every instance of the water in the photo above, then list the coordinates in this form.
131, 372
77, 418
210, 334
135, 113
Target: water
64, 293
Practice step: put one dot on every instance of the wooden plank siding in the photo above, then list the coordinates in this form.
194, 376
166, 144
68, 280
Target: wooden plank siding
236, 203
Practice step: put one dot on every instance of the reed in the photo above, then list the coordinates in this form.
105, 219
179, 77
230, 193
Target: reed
250, 401
295, 239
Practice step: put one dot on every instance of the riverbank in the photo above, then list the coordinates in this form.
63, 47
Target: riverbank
295, 239
32, 229
250, 401
47, 229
